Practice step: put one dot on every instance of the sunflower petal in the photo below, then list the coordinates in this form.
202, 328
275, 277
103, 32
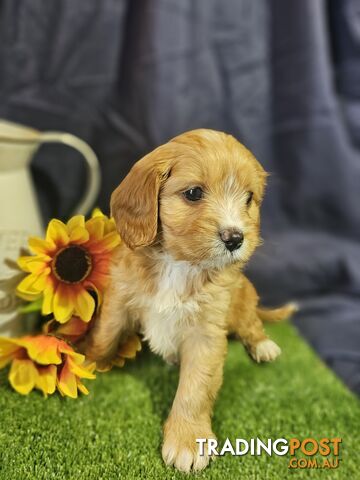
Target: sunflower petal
98, 279
40, 246
75, 222
97, 291
109, 223
95, 227
33, 284
5, 360
57, 233
28, 296
107, 243
41, 281
82, 387
43, 349
84, 304
63, 303
81, 371
66, 382
79, 235
118, 362
24, 261
46, 380
76, 229
104, 367
130, 347
49, 326
23, 375
75, 327
110, 226
32, 263
68, 350
26, 286
8, 350
48, 299
8, 346
97, 213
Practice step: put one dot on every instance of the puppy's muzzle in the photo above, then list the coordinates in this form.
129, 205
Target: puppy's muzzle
232, 238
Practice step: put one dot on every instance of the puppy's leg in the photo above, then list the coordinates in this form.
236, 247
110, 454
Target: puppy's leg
252, 334
245, 322
110, 328
266, 350
201, 363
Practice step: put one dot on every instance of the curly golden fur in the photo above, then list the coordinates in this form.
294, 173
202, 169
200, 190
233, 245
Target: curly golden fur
174, 280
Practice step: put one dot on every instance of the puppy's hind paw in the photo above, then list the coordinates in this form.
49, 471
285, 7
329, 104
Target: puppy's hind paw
266, 351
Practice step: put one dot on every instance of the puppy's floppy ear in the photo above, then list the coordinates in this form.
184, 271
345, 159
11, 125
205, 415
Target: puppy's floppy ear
261, 181
134, 203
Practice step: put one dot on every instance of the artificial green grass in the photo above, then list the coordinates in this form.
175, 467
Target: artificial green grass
115, 432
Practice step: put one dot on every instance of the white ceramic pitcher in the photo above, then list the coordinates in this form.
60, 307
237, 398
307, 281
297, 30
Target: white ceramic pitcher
19, 212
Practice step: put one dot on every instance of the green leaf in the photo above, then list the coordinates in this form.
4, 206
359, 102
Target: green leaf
34, 306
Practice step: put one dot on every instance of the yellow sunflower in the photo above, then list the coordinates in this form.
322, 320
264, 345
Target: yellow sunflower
72, 331
73, 259
46, 363
76, 329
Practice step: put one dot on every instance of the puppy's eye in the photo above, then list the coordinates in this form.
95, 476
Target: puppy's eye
194, 194
249, 198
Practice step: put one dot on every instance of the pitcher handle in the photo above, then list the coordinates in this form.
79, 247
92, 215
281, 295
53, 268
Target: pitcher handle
94, 176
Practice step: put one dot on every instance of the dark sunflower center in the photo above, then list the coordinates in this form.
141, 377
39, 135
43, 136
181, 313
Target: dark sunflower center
72, 264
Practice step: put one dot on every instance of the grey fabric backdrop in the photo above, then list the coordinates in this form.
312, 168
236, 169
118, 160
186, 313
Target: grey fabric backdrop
282, 76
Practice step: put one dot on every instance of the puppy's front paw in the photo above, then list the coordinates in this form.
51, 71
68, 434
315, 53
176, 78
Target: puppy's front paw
265, 351
180, 448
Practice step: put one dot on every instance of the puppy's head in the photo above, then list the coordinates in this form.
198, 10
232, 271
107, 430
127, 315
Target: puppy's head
197, 197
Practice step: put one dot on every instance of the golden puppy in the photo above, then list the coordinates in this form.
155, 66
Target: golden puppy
188, 215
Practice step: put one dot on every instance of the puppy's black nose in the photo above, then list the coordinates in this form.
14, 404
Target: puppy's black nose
232, 238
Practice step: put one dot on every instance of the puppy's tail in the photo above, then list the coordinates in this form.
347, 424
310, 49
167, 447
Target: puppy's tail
274, 315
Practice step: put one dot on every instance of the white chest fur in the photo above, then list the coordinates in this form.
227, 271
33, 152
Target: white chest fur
171, 311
